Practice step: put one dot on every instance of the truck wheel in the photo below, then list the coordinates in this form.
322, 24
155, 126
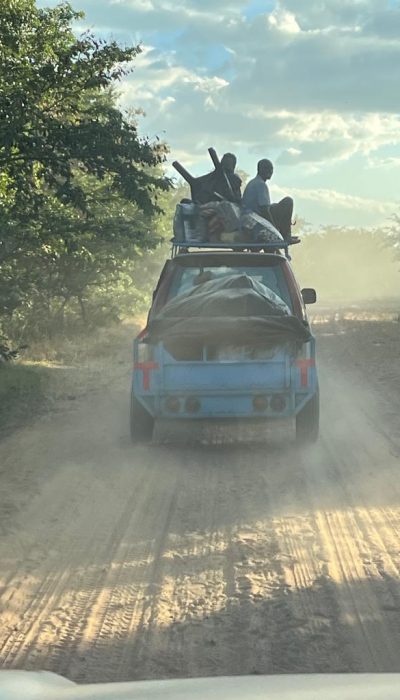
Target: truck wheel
141, 422
307, 422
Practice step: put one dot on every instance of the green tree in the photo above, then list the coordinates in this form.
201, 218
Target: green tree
80, 267
80, 192
56, 116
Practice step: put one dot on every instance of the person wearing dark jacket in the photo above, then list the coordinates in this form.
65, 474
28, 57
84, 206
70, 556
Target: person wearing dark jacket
228, 165
221, 184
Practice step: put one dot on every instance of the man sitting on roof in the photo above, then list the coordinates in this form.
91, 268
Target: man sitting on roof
228, 165
256, 198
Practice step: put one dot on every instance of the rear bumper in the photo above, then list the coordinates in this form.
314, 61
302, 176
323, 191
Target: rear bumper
268, 389
224, 430
195, 405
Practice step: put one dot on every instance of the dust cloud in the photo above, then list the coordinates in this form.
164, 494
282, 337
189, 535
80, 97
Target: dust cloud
152, 562
347, 266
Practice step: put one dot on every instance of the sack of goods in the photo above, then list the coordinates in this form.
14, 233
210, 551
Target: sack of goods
188, 225
221, 221
256, 229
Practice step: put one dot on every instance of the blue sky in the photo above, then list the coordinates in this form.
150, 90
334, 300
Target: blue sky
312, 84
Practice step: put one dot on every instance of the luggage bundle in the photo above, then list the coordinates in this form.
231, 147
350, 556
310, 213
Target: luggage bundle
221, 222
213, 215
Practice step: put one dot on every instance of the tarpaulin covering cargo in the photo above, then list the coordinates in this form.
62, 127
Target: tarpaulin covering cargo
234, 310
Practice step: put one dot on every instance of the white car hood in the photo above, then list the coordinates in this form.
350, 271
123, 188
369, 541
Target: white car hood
24, 685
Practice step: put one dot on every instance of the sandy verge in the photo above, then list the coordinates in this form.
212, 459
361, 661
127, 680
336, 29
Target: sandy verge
121, 563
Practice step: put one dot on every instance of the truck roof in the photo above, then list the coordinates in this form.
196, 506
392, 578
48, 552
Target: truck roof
182, 247
226, 257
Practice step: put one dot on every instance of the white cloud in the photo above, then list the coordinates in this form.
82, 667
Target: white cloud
320, 54
311, 83
138, 5
208, 85
331, 207
384, 25
331, 136
317, 14
283, 21
180, 100
387, 163
334, 200
158, 15
166, 103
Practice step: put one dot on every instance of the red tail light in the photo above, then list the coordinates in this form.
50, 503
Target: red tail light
172, 404
192, 405
260, 403
278, 403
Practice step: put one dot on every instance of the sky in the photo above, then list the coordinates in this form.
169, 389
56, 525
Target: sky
314, 85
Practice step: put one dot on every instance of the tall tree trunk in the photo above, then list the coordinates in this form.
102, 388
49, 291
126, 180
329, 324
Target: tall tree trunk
83, 309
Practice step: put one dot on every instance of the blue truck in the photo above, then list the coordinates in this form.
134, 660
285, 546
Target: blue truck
276, 381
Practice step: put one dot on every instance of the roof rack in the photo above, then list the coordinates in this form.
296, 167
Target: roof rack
179, 247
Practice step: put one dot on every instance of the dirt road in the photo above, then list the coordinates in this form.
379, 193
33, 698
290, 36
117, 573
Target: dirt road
121, 563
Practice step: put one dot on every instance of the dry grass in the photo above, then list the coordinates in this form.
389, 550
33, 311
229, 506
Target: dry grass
64, 369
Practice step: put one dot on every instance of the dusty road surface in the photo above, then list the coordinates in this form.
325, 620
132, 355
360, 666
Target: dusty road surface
121, 563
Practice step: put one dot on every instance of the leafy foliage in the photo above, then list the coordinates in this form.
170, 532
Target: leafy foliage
55, 116
80, 192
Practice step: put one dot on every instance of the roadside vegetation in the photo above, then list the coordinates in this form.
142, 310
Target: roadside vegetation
81, 194
86, 210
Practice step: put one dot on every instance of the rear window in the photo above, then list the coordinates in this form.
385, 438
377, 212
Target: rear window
272, 277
